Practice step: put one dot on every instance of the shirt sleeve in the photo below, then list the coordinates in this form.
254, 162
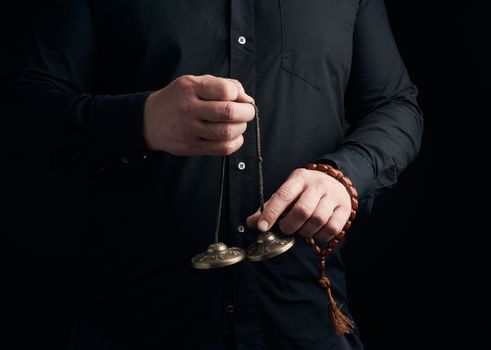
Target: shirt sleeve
386, 124
49, 91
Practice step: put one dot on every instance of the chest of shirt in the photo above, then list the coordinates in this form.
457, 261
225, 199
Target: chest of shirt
311, 39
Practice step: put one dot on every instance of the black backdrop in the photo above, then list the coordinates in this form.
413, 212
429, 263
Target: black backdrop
416, 276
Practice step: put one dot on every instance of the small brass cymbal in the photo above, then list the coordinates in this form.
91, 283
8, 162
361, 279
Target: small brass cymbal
268, 245
217, 255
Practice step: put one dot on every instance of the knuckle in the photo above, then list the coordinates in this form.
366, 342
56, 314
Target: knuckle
322, 187
332, 228
225, 132
271, 213
284, 194
235, 81
229, 111
317, 219
184, 81
228, 90
300, 172
298, 175
301, 211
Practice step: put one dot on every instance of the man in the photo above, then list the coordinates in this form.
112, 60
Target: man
142, 97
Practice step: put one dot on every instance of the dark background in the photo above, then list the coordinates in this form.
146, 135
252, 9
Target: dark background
416, 275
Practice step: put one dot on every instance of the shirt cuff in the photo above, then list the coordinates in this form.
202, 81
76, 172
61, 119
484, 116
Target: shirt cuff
359, 170
117, 130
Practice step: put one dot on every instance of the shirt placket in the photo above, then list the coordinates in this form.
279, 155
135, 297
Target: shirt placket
243, 178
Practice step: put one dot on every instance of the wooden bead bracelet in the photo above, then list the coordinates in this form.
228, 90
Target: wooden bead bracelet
341, 324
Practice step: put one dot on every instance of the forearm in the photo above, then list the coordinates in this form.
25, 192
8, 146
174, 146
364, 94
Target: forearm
79, 133
380, 146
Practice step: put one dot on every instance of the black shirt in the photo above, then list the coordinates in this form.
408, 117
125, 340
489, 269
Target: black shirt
330, 86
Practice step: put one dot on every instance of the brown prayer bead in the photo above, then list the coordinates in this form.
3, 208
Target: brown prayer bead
347, 226
341, 234
332, 172
326, 251
352, 192
333, 243
354, 203
353, 215
345, 181
322, 167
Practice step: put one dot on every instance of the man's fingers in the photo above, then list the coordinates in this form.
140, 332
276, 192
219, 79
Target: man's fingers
208, 87
212, 88
219, 148
334, 225
223, 111
300, 212
219, 131
319, 218
279, 202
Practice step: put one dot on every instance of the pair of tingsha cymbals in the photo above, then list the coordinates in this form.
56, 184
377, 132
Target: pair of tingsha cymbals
267, 245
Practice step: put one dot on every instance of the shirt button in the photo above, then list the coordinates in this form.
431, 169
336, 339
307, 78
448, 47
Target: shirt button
241, 166
242, 40
229, 309
240, 228
124, 160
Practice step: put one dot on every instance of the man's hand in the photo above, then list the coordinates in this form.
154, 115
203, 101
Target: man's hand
197, 115
309, 202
